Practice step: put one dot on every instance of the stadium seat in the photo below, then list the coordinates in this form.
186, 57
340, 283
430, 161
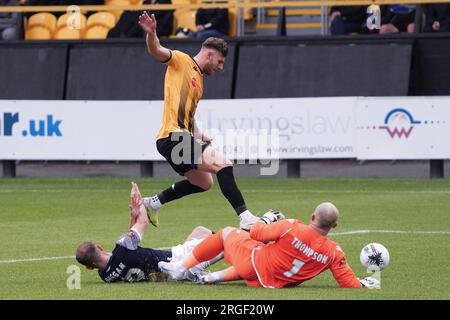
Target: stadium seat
184, 15
67, 34
185, 19
38, 33
98, 25
184, 1
42, 19
105, 19
121, 2
117, 13
72, 21
232, 19
96, 32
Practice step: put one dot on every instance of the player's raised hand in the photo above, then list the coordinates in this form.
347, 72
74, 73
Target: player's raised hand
136, 200
135, 190
148, 22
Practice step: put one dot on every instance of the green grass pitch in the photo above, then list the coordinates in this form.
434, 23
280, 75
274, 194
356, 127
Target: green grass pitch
49, 217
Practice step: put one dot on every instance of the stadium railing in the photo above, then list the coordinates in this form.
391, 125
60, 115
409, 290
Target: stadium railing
239, 6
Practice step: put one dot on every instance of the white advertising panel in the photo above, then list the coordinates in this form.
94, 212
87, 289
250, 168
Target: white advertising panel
284, 128
403, 128
301, 128
79, 130
126, 130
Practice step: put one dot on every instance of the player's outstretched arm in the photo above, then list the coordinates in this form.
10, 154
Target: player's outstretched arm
271, 227
148, 24
134, 205
342, 273
138, 209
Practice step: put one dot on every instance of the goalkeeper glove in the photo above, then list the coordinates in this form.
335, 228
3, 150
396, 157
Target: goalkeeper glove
370, 283
272, 216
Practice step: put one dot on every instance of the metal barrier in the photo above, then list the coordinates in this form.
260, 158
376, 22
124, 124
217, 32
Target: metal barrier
240, 5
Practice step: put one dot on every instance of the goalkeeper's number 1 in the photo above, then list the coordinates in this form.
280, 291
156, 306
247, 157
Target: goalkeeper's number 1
296, 266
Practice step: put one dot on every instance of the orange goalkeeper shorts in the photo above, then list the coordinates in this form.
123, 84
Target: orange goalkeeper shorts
238, 247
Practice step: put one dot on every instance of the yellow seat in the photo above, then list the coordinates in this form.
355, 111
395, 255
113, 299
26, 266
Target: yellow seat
38, 33
96, 32
105, 19
247, 13
119, 2
117, 13
232, 18
136, 2
185, 19
184, 1
67, 34
42, 19
75, 21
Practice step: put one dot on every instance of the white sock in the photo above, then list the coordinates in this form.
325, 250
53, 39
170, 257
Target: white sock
214, 277
206, 264
203, 265
152, 202
245, 215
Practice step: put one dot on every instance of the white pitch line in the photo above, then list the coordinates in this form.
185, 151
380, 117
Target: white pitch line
52, 258
35, 259
346, 233
299, 191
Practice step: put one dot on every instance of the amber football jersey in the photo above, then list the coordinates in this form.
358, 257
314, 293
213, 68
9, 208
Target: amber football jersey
183, 88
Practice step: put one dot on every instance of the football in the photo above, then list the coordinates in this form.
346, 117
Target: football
374, 256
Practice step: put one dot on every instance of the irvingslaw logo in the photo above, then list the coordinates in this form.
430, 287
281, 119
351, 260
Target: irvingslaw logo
398, 123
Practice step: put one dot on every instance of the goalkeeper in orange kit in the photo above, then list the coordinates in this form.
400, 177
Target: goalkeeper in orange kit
295, 253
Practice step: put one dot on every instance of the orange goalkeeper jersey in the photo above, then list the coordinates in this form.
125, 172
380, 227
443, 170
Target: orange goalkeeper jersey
297, 254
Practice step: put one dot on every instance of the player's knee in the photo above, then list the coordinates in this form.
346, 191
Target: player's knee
201, 232
226, 163
226, 231
206, 184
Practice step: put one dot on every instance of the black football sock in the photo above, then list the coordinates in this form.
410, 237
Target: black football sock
178, 190
230, 190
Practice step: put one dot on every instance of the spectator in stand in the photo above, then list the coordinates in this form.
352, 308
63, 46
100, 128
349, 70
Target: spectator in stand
397, 18
128, 24
437, 17
10, 22
347, 19
211, 23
